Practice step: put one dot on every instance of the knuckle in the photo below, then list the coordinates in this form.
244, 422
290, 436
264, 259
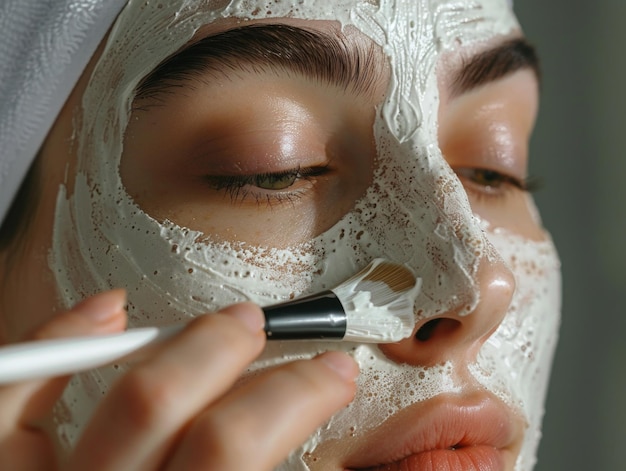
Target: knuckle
225, 335
312, 383
218, 327
305, 375
223, 441
147, 398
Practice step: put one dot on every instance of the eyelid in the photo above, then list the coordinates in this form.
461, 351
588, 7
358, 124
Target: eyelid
240, 187
526, 184
219, 180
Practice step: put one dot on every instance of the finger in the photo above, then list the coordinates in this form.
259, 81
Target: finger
23, 406
28, 401
99, 314
144, 412
257, 425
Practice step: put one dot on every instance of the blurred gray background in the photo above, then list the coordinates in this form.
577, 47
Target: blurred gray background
579, 151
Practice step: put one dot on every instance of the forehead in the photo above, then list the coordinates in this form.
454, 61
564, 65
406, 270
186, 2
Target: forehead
420, 23
412, 33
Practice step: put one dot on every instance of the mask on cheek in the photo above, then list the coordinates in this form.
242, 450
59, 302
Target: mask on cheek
515, 362
415, 212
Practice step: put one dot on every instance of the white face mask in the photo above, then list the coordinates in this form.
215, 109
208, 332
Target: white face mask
102, 239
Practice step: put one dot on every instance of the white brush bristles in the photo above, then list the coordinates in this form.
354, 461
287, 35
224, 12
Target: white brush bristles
379, 302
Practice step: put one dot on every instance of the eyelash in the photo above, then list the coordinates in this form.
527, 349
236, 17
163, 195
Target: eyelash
239, 187
236, 186
488, 183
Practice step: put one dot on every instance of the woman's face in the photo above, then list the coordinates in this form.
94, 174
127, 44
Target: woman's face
280, 149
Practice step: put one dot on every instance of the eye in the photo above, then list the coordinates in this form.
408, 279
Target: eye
493, 183
266, 186
273, 181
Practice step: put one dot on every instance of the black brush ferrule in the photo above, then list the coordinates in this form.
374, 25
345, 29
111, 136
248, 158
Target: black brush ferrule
319, 316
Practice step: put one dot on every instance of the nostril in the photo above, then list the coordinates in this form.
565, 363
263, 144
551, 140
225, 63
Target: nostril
426, 331
434, 327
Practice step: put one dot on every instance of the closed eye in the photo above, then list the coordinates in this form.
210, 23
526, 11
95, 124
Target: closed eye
269, 187
494, 183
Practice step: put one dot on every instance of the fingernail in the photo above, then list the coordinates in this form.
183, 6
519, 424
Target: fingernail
341, 363
102, 306
249, 314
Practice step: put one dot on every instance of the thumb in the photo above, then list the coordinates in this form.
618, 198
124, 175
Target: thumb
25, 403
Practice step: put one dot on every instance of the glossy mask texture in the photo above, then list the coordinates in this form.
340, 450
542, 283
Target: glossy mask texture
416, 211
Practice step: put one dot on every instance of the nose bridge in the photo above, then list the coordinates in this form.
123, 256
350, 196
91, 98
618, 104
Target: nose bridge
428, 223
424, 218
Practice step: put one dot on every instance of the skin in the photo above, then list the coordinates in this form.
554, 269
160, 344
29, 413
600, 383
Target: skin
323, 124
144, 423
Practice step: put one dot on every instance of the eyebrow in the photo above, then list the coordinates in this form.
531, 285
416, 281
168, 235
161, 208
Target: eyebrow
490, 65
258, 48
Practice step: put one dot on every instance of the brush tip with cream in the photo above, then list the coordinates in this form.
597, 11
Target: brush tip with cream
375, 305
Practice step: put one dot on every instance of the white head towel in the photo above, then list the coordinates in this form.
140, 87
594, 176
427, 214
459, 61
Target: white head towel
44, 47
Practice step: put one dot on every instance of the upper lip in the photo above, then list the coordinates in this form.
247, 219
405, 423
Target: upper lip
450, 422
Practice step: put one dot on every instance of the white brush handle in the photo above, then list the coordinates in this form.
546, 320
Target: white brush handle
383, 314
58, 357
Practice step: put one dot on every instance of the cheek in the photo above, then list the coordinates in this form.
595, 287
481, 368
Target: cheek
31, 289
515, 361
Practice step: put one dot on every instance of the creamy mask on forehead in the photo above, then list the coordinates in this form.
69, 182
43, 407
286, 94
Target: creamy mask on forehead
416, 212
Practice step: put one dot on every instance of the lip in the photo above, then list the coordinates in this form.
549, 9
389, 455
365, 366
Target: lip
475, 433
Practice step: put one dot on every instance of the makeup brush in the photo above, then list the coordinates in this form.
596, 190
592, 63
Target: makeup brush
374, 306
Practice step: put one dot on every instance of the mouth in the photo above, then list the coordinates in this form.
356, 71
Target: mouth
458, 434
477, 458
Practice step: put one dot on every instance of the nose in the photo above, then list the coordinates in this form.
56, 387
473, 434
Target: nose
457, 334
